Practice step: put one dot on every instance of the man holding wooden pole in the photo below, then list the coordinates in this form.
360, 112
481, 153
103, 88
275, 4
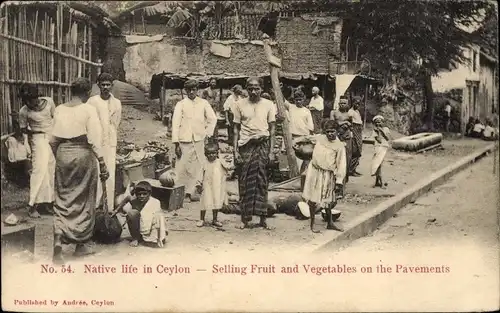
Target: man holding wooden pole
109, 110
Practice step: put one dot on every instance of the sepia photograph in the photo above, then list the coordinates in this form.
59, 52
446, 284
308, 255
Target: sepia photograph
250, 156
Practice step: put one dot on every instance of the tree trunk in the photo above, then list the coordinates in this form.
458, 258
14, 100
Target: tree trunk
429, 101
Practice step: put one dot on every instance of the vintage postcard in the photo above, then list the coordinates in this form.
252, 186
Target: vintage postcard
250, 156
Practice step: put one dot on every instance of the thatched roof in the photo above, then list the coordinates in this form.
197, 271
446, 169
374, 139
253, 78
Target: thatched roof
152, 8
79, 9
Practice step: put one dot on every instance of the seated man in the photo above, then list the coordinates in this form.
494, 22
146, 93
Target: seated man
145, 220
477, 131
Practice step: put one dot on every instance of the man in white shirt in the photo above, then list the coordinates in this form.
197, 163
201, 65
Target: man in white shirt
316, 105
301, 120
447, 116
254, 140
109, 110
237, 94
193, 121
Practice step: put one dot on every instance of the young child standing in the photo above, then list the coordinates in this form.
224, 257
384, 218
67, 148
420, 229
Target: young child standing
325, 174
212, 184
382, 136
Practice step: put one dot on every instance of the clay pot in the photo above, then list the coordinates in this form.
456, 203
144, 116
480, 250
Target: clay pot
304, 150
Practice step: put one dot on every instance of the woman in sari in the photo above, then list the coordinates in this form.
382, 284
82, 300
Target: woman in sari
76, 144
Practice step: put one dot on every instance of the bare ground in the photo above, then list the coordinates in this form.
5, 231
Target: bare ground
401, 170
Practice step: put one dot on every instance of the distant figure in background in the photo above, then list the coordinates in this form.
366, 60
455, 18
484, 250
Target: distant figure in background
447, 116
237, 94
382, 136
316, 105
344, 122
76, 144
193, 122
490, 133
470, 126
213, 96
109, 110
36, 121
477, 131
301, 120
357, 138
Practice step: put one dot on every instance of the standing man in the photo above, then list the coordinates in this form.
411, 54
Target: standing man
344, 122
301, 120
193, 121
109, 110
213, 96
237, 94
36, 121
254, 139
447, 116
316, 105
357, 138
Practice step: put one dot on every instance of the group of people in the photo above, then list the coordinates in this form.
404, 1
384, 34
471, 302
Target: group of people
73, 156
476, 129
73, 152
252, 123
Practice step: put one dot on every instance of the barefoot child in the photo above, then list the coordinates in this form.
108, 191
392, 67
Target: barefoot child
212, 185
145, 220
325, 174
382, 137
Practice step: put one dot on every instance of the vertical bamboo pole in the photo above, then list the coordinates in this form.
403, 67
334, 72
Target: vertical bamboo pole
91, 45
67, 62
6, 71
52, 45
59, 47
15, 59
84, 54
91, 72
162, 98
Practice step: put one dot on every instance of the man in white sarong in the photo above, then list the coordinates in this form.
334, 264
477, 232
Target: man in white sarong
109, 110
193, 121
36, 121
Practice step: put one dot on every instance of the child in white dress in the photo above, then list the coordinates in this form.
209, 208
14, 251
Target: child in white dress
212, 185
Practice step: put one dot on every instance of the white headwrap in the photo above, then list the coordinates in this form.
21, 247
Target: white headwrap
377, 118
315, 89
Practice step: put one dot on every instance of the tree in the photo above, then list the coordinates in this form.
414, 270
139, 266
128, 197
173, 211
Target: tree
417, 37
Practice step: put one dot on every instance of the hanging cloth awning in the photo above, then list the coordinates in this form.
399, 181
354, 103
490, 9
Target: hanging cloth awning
342, 83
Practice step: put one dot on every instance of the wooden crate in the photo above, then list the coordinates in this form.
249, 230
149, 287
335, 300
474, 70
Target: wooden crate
171, 198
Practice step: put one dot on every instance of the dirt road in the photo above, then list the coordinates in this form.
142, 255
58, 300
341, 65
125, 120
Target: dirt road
455, 226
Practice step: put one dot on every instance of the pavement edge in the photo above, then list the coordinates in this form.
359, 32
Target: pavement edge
368, 222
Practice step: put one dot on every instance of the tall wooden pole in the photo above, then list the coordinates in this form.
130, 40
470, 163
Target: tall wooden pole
275, 65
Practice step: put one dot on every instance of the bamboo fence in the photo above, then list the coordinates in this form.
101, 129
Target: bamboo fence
49, 47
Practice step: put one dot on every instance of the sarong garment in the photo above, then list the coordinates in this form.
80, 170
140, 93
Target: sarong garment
348, 152
190, 164
357, 146
42, 176
378, 158
317, 120
253, 180
76, 177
